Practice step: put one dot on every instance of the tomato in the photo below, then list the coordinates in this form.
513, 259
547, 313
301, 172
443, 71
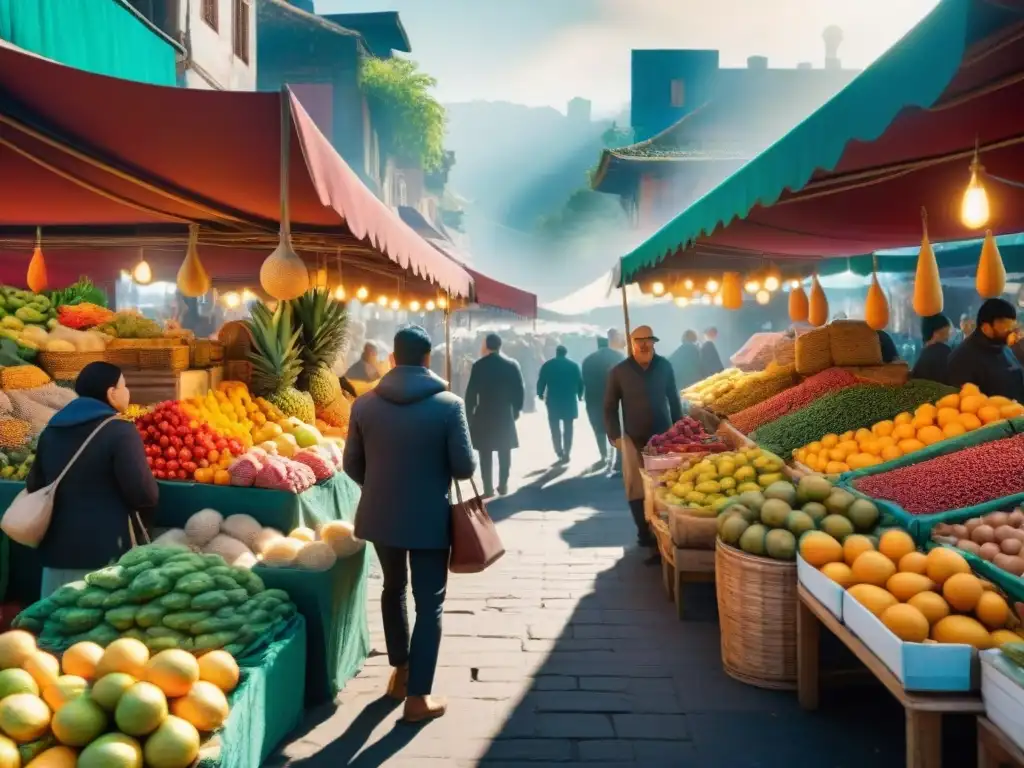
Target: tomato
175, 421
189, 440
164, 427
159, 462
213, 456
152, 431
234, 447
172, 466
182, 474
199, 452
203, 463
150, 461
176, 441
159, 474
171, 453
164, 441
189, 466
221, 444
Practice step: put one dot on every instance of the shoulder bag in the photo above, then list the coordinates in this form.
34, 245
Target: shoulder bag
28, 518
475, 541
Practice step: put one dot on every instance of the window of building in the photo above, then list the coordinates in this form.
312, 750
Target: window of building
678, 93
243, 13
210, 14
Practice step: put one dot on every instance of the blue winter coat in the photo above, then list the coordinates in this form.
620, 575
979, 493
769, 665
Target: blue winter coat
560, 385
407, 440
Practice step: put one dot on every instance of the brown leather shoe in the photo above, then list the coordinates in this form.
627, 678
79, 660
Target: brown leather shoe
399, 683
420, 709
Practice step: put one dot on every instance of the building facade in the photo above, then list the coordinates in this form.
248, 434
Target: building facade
218, 37
695, 122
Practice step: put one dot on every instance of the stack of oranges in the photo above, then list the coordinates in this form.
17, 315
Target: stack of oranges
951, 416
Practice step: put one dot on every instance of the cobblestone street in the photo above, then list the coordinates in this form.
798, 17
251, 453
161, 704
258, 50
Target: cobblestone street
568, 652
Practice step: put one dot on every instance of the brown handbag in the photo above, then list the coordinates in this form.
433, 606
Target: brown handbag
475, 541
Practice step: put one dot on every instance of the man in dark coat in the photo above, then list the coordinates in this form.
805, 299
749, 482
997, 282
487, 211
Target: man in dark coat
596, 367
365, 368
710, 362
933, 364
645, 388
560, 386
494, 400
686, 361
985, 359
408, 441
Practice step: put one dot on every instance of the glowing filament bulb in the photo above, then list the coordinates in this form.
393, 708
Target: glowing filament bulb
430, 306
711, 286
382, 300
362, 293
974, 210
414, 306
657, 288
771, 283
142, 274
763, 297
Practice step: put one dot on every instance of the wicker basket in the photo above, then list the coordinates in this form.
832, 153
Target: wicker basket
813, 352
664, 538
690, 531
173, 358
757, 606
204, 352
733, 438
66, 366
159, 342
126, 357
854, 342
892, 374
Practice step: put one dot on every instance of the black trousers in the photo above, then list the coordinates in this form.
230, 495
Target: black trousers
487, 468
596, 418
561, 435
429, 568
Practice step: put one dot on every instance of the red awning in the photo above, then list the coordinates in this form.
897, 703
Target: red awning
487, 292
84, 150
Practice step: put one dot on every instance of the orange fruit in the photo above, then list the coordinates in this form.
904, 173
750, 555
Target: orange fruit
895, 543
846, 435
947, 416
903, 418
887, 441
836, 467
968, 389
954, 429
905, 432
927, 410
909, 446
922, 420
971, 403
969, 421
988, 414
999, 400
814, 447
849, 446
222, 477
891, 452
1010, 410
862, 434
929, 435
837, 454
883, 428
949, 401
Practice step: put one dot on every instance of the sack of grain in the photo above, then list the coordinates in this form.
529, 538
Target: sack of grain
854, 342
892, 374
813, 351
27, 409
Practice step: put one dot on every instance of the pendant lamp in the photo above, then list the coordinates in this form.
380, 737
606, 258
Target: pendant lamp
876, 306
991, 278
36, 277
799, 308
192, 278
927, 288
732, 291
817, 314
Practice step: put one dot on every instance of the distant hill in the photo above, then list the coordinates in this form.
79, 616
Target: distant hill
514, 165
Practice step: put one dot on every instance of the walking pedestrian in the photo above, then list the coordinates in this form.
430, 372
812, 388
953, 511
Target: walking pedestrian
560, 386
494, 400
596, 367
645, 388
710, 361
95, 509
686, 361
408, 442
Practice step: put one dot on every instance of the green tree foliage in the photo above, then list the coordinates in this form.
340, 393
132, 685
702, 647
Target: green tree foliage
585, 210
409, 120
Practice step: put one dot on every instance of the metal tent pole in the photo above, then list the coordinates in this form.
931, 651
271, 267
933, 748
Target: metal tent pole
625, 312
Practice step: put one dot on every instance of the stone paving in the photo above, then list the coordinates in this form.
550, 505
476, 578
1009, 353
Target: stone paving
568, 653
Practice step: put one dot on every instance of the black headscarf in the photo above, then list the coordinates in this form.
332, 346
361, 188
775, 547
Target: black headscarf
96, 379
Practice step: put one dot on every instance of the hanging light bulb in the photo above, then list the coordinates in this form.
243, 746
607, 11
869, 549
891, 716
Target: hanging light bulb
771, 283
414, 306
658, 288
396, 304
794, 284
442, 303
711, 286
688, 284
682, 302
232, 300
362, 293
382, 300
142, 274
763, 297
431, 306
974, 210
753, 285
247, 296
339, 293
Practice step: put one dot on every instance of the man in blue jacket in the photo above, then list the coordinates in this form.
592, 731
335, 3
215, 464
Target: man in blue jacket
560, 386
408, 442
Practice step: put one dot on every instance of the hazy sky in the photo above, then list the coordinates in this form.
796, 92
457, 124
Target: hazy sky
541, 52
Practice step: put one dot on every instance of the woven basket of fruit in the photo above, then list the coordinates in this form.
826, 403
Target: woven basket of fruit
126, 357
813, 352
173, 358
156, 343
854, 342
757, 603
65, 366
693, 527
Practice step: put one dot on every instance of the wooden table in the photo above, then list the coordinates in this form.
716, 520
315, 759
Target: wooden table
924, 711
995, 750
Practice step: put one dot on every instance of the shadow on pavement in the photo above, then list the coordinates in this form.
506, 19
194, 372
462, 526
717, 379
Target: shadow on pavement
626, 683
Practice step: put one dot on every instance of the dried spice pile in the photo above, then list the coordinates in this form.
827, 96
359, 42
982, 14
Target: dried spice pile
852, 408
800, 396
954, 481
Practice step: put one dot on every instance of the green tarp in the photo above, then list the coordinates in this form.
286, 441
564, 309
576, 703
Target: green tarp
914, 73
958, 257
101, 36
267, 704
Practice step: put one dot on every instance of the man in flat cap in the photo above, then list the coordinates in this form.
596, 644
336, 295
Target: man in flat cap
645, 388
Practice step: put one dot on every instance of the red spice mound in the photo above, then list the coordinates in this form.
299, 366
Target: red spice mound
793, 399
957, 480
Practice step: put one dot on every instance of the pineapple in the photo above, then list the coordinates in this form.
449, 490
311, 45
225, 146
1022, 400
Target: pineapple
275, 361
323, 325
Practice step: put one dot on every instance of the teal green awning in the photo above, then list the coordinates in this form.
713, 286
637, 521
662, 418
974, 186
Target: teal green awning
101, 36
955, 259
913, 73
